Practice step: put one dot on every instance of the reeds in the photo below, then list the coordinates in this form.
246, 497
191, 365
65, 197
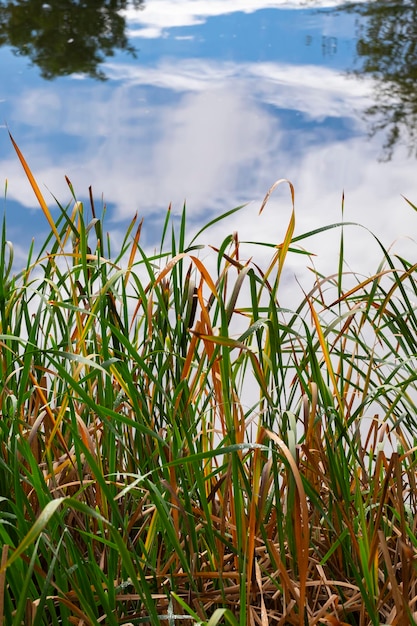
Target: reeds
139, 485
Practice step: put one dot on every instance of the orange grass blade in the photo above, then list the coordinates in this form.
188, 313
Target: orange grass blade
392, 577
284, 246
134, 249
326, 354
286, 582
358, 288
73, 607
302, 528
85, 436
36, 189
202, 269
50, 415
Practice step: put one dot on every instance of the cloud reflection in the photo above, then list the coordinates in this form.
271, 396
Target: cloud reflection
219, 136
160, 16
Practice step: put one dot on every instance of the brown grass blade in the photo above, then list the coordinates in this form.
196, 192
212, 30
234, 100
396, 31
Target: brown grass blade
326, 353
133, 250
279, 257
302, 523
36, 189
4, 555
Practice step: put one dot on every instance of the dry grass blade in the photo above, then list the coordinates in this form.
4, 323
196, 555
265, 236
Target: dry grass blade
133, 249
396, 593
4, 555
178, 447
279, 257
36, 189
326, 354
264, 613
301, 523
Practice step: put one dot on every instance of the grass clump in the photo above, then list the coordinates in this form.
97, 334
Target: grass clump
158, 466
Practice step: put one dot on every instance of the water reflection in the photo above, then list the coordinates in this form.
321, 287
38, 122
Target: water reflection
67, 37
223, 99
387, 50
63, 37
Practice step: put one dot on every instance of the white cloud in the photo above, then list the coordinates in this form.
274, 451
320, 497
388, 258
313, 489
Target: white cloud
178, 75
316, 91
159, 16
212, 140
217, 140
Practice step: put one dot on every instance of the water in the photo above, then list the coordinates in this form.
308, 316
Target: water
220, 100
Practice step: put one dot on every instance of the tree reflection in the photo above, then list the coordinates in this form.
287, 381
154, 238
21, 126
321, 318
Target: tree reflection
63, 37
387, 50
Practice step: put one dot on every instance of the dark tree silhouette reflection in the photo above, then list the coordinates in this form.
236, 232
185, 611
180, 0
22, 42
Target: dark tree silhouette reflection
64, 37
387, 51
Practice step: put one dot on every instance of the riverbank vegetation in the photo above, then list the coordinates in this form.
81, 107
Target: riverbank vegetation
180, 446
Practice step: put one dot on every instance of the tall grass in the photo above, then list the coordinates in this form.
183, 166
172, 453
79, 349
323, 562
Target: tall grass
156, 468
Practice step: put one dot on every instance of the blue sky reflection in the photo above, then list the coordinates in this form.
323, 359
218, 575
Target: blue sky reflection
218, 104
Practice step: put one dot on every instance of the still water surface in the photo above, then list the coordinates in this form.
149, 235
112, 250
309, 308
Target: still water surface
208, 102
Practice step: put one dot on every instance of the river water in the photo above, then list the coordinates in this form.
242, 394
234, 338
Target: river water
210, 104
